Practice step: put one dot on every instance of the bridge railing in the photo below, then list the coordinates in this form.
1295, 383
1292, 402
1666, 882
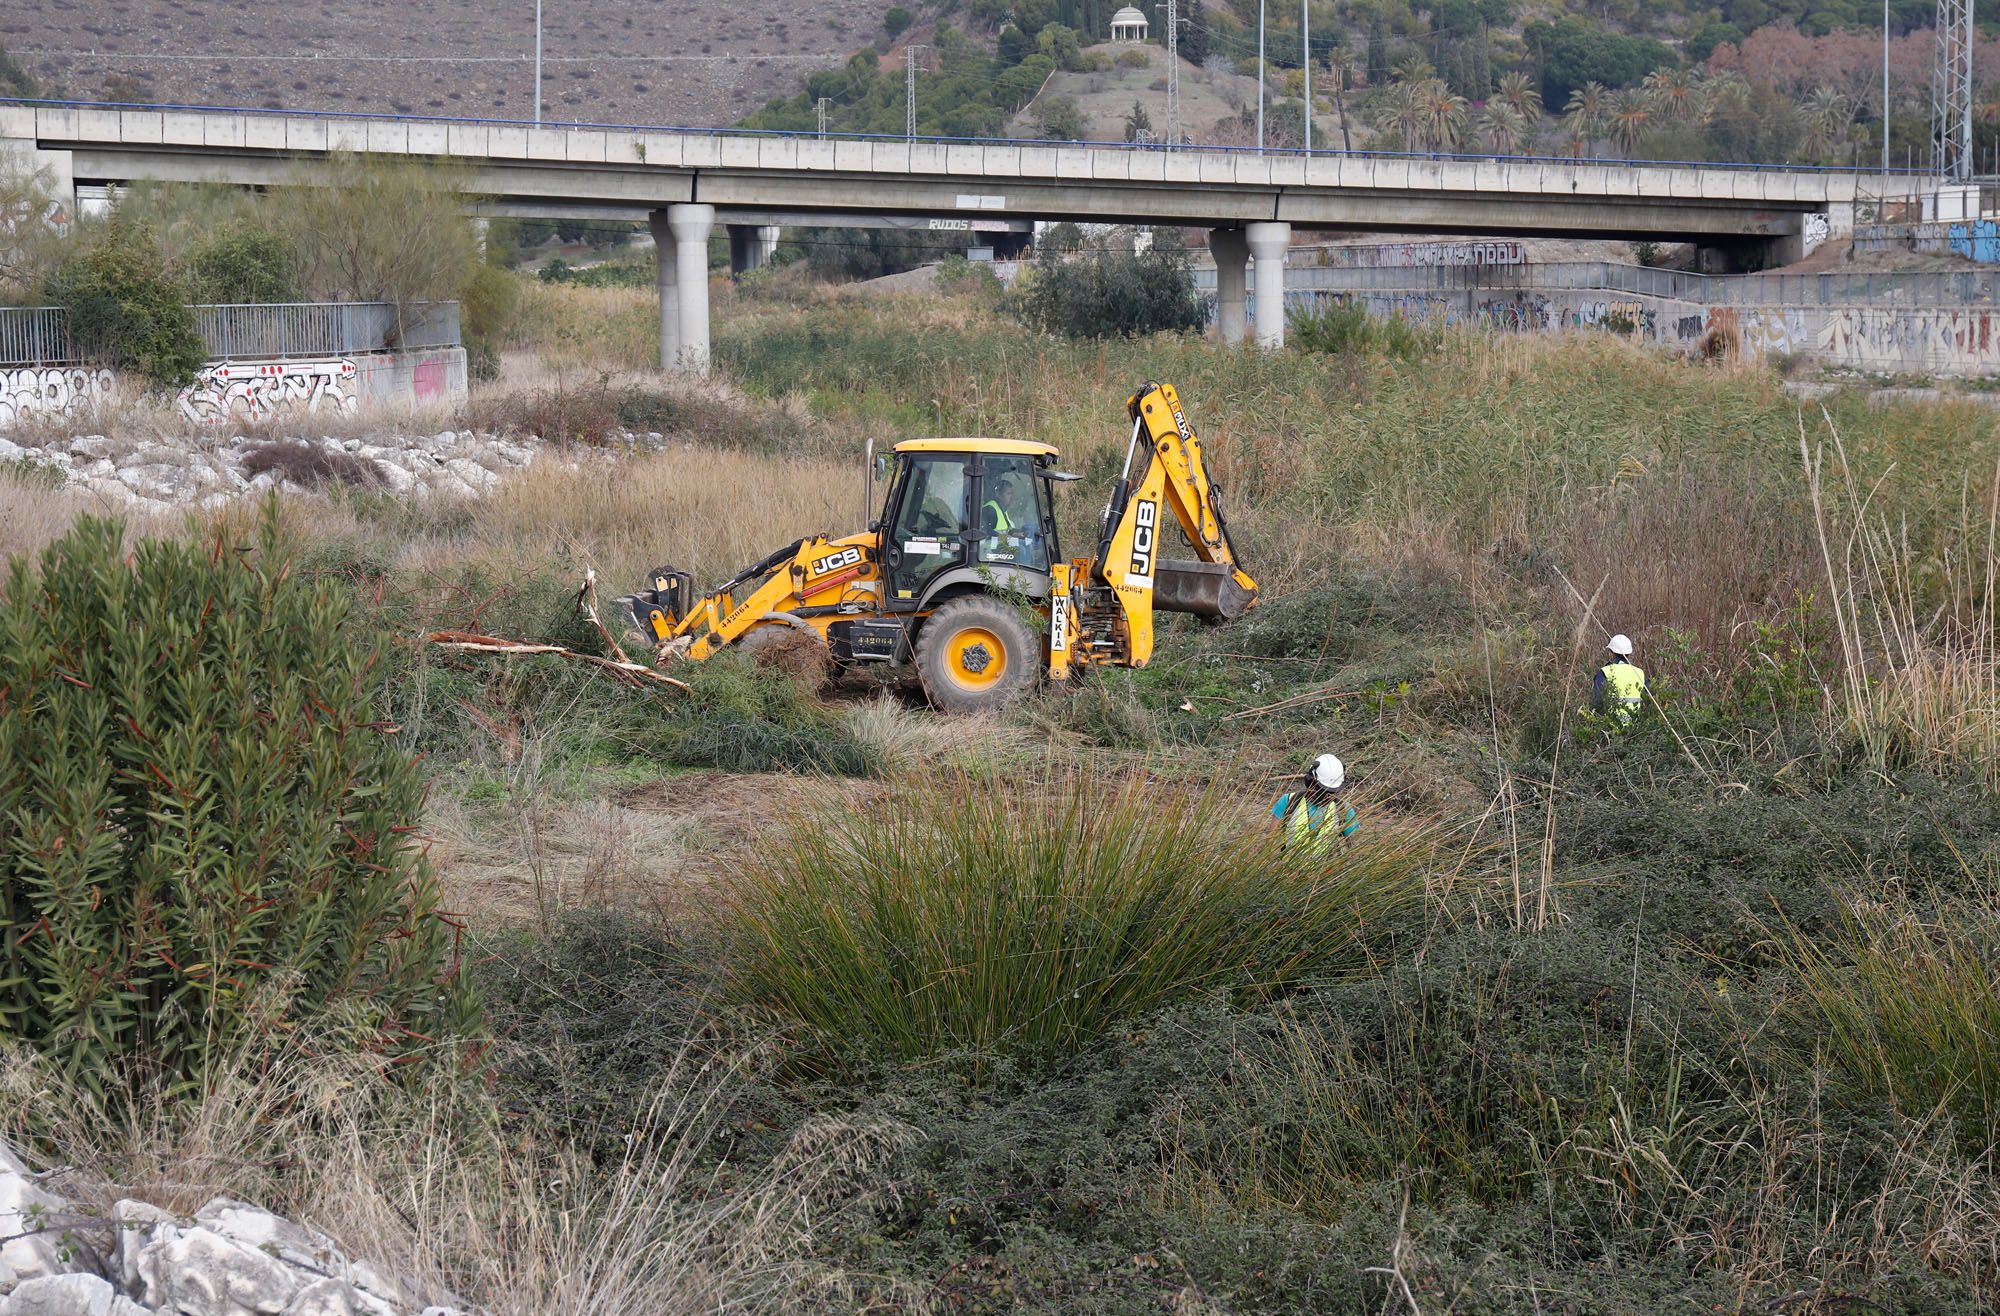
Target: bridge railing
39, 335
1953, 288
1317, 153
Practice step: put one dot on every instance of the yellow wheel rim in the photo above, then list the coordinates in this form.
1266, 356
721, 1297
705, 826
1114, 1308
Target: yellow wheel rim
975, 658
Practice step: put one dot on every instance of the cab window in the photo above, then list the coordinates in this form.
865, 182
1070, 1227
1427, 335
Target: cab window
1013, 514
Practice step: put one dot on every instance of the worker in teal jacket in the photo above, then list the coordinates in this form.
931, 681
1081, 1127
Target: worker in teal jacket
1315, 816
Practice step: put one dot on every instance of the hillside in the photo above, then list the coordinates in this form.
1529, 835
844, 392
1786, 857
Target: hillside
696, 62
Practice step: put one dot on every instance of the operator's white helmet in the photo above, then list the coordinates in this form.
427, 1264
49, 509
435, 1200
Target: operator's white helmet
1621, 645
1327, 772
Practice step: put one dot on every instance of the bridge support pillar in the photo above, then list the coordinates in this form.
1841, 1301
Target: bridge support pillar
668, 283
691, 225
1268, 244
1231, 254
751, 246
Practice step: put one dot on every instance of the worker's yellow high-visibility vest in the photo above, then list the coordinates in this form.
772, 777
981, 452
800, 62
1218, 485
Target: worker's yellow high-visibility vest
1001, 525
1313, 831
1624, 691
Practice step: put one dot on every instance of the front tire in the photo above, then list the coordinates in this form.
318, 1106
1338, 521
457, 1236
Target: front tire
976, 653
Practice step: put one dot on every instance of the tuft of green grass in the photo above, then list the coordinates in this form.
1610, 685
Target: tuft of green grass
988, 917
1910, 1008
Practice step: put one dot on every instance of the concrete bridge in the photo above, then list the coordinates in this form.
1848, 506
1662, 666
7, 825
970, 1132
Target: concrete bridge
685, 182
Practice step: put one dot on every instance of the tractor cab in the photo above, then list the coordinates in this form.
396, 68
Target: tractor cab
970, 512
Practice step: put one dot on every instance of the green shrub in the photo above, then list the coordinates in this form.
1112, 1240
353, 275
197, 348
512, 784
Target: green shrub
744, 718
125, 311
973, 916
211, 838
1345, 325
244, 263
1106, 294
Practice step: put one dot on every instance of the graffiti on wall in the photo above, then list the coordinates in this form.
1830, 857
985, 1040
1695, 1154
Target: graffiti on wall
1525, 312
1409, 255
1929, 338
1817, 228
49, 391
255, 390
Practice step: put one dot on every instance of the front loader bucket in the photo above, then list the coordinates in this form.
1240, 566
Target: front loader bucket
672, 594
1203, 589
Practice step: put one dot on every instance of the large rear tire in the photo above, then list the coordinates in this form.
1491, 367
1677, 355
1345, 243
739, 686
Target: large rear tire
976, 653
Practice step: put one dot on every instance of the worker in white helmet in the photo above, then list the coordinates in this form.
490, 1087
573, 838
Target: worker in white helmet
1620, 687
1314, 816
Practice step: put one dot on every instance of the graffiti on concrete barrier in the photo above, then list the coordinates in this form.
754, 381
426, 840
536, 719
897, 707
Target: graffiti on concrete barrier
1404, 255
1816, 230
49, 391
429, 380
1524, 312
249, 390
1763, 329
1928, 338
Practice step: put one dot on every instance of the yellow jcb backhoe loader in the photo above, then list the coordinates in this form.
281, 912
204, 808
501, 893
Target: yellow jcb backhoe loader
964, 557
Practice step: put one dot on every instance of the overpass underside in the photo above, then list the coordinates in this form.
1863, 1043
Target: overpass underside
685, 183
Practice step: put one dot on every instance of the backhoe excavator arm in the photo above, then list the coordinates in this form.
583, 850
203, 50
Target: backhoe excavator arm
1174, 477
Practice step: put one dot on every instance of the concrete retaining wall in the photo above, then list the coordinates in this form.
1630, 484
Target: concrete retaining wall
1943, 340
254, 390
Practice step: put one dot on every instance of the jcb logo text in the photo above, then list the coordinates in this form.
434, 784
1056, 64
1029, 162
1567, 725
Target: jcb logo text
846, 557
1144, 533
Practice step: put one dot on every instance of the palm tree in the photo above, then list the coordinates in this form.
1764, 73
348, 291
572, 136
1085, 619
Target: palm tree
1413, 67
1503, 128
1517, 91
1577, 132
1340, 67
1723, 95
1826, 116
1631, 115
1445, 118
1398, 112
1673, 93
1587, 106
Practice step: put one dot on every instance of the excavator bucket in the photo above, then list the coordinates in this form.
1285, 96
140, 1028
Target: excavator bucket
1203, 589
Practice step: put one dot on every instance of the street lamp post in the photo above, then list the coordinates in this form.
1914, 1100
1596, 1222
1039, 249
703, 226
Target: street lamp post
1260, 77
1306, 49
538, 62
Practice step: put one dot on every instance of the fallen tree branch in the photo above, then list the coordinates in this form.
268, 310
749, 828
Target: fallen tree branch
469, 642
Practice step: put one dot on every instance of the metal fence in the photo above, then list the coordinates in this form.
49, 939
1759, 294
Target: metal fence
33, 336
1955, 288
39, 335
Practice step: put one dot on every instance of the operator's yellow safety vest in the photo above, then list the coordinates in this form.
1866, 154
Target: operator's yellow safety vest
1624, 691
1001, 525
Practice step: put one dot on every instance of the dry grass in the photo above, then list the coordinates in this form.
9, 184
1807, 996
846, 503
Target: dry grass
570, 327
436, 1193
1920, 658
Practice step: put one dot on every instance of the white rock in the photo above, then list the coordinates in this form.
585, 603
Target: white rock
475, 476
447, 485
198, 1272
110, 490
91, 445
156, 480
239, 1222
336, 1297
263, 480
101, 469
11, 451
155, 455
350, 445
31, 1221
134, 1226
68, 1295
396, 479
